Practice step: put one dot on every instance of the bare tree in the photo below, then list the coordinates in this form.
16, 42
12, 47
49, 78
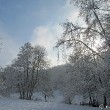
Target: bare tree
96, 14
30, 61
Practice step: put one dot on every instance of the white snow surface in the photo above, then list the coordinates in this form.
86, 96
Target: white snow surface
17, 104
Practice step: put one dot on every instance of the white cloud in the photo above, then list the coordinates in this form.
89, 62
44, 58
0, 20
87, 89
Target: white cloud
43, 36
46, 35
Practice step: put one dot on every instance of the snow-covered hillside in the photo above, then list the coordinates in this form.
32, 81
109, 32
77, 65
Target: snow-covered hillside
17, 104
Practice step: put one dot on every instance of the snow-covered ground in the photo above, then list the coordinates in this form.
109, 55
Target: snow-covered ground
17, 104
38, 103
38, 96
58, 97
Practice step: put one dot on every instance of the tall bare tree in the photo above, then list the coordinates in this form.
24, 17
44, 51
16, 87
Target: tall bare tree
96, 15
30, 61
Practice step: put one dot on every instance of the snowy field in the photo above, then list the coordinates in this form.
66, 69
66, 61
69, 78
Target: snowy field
17, 104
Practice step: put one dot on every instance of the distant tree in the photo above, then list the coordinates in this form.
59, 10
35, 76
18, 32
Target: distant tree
10, 80
104, 77
29, 62
81, 74
2, 82
45, 85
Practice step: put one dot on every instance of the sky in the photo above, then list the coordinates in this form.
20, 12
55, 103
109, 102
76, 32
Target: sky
34, 21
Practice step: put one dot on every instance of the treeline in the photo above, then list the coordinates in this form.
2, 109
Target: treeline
84, 75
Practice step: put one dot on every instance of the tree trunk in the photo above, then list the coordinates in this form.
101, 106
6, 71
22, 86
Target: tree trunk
105, 101
90, 100
45, 98
69, 100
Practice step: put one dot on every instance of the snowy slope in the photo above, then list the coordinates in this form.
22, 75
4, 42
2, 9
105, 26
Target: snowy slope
17, 104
